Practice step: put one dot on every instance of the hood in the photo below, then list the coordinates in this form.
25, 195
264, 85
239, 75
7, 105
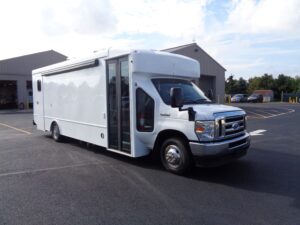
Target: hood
207, 111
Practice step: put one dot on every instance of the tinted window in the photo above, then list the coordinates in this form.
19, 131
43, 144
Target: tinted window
112, 105
125, 106
191, 94
144, 111
39, 85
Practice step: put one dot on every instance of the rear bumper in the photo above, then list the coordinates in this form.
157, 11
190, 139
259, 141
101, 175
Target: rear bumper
223, 148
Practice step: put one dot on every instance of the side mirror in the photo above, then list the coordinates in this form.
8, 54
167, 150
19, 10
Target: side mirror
176, 97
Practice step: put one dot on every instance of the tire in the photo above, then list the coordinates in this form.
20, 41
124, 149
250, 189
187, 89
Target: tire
175, 156
55, 132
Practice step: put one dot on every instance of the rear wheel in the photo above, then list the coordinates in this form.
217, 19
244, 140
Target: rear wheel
55, 132
175, 156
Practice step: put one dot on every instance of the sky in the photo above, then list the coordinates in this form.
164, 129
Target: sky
248, 37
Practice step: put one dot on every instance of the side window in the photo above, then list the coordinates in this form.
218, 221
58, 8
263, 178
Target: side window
39, 85
144, 111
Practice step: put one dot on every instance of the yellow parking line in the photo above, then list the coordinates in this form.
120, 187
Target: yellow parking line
14, 128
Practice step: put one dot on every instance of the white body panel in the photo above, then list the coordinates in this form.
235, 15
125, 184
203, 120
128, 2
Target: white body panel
78, 102
38, 102
165, 64
77, 99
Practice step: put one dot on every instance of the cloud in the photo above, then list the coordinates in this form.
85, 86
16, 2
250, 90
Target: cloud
77, 17
35, 25
173, 18
265, 16
245, 36
249, 30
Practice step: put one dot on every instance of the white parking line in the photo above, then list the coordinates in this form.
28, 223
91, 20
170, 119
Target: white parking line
257, 132
274, 111
265, 112
290, 111
256, 114
47, 169
269, 114
14, 128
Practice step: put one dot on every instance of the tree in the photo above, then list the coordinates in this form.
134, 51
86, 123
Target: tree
242, 85
280, 84
297, 84
231, 86
283, 84
266, 82
254, 84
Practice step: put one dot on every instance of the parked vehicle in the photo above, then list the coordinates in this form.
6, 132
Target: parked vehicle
268, 95
139, 103
239, 98
255, 98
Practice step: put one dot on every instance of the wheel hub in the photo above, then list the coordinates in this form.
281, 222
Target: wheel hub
173, 155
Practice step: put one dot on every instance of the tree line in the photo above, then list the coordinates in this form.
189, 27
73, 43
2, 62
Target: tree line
282, 83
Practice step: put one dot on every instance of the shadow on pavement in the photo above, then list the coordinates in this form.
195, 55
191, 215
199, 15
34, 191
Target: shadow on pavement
260, 171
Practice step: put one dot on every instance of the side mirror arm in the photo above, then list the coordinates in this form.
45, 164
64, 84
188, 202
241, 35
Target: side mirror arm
191, 112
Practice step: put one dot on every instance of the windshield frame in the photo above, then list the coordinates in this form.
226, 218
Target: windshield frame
194, 86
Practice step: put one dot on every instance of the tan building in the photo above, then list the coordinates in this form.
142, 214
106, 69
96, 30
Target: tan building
212, 79
15, 77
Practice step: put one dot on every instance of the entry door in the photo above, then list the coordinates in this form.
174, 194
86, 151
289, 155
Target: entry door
118, 104
38, 104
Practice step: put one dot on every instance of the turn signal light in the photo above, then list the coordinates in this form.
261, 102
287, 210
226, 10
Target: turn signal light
200, 129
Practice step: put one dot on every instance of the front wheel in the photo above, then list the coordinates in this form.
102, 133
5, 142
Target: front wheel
175, 156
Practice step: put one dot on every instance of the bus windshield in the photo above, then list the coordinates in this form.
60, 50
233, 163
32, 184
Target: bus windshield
191, 93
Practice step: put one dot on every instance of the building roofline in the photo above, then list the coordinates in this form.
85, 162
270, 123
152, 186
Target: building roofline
191, 44
32, 54
178, 47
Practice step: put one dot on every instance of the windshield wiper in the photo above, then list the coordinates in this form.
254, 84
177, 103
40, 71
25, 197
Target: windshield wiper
196, 101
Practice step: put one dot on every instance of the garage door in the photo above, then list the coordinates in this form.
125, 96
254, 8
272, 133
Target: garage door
8, 94
207, 85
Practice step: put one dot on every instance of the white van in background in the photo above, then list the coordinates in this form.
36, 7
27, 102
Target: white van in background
137, 103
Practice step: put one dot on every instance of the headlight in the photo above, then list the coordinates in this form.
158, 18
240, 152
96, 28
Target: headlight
205, 130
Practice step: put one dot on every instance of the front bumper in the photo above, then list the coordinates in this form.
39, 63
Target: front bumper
223, 148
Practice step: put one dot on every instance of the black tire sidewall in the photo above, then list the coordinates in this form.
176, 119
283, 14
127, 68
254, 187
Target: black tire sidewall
58, 138
186, 158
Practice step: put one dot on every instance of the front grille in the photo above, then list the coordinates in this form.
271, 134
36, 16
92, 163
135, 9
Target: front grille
237, 143
234, 125
229, 126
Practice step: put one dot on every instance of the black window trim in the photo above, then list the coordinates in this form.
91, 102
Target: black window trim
39, 85
136, 111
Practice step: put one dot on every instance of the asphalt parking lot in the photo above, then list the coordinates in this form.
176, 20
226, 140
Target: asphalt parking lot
43, 182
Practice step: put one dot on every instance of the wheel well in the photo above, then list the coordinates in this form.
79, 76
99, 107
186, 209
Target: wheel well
163, 135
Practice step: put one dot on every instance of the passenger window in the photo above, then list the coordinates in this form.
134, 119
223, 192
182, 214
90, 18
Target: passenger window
144, 111
39, 85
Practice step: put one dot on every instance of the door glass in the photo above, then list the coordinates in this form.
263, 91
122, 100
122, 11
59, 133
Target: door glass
112, 106
125, 105
144, 111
